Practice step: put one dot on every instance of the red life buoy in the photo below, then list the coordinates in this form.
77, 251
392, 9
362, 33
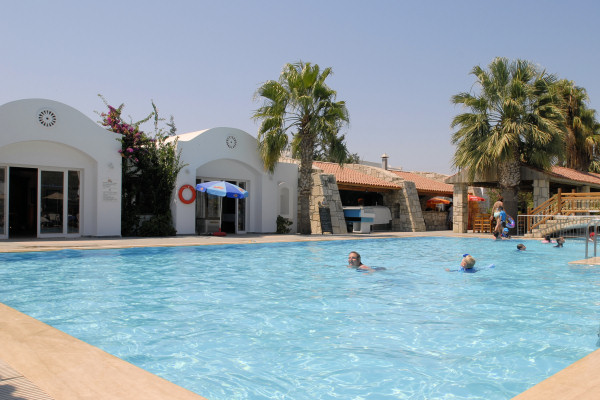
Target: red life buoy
183, 199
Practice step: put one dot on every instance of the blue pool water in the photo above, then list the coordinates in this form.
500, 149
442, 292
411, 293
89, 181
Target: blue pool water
290, 321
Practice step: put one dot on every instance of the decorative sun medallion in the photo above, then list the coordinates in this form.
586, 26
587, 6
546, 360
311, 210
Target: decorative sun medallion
47, 118
231, 141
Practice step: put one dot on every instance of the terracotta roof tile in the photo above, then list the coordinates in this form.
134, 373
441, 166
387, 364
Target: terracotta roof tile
425, 184
575, 175
353, 177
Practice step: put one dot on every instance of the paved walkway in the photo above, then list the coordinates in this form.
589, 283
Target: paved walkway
116, 243
38, 362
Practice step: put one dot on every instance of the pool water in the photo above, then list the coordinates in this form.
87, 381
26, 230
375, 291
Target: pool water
290, 321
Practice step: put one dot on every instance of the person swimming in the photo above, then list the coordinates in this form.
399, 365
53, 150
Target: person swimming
547, 239
466, 265
355, 262
560, 241
521, 247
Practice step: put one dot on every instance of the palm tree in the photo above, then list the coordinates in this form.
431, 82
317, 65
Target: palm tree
513, 119
302, 105
582, 128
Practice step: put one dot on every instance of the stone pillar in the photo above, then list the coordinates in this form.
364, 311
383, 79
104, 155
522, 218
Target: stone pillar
413, 206
460, 204
325, 193
541, 191
584, 189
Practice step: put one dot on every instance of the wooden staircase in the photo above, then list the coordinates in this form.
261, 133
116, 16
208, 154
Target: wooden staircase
562, 211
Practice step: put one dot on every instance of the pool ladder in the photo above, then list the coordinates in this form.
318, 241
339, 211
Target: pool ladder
595, 223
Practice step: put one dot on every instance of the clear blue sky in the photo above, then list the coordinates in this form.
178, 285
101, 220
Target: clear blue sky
395, 63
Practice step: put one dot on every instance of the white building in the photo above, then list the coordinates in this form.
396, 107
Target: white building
60, 173
232, 155
60, 176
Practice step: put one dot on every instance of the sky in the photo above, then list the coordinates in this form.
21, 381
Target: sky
396, 64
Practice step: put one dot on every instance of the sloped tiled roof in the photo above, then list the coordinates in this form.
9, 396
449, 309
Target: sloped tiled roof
574, 175
352, 177
424, 184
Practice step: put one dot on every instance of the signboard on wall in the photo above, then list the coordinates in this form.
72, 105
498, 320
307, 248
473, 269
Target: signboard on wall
325, 217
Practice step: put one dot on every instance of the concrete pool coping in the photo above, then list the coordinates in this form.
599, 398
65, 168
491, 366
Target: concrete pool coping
40, 362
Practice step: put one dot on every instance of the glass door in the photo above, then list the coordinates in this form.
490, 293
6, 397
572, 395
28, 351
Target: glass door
60, 203
3, 203
52, 197
241, 211
73, 184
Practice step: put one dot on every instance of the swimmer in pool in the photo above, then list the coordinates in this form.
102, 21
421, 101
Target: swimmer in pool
355, 262
547, 239
466, 265
521, 247
560, 241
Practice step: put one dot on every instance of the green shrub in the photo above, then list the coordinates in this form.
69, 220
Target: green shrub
283, 224
158, 225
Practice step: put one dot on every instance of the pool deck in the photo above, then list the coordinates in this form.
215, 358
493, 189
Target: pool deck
38, 362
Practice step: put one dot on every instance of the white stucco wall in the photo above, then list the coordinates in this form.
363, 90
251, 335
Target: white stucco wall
232, 154
75, 142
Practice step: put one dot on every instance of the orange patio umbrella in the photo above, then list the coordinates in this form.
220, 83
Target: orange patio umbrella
438, 200
475, 198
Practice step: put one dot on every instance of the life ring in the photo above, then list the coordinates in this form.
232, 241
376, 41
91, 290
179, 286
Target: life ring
510, 223
183, 199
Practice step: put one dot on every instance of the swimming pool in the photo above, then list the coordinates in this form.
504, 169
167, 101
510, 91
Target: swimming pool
289, 321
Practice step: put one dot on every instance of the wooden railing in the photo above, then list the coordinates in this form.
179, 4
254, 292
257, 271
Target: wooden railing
563, 204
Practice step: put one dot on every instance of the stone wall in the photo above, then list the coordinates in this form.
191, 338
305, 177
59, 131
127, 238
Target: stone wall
436, 220
325, 193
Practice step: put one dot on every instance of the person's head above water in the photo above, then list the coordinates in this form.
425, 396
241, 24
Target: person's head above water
354, 259
521, 246
467, 262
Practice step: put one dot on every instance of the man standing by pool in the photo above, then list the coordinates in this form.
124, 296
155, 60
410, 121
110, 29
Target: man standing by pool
354, 262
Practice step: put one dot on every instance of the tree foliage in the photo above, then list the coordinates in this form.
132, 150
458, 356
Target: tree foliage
582, 128
514, 118
301, 110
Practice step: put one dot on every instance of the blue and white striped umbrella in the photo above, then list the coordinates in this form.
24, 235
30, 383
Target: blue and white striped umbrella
222, 189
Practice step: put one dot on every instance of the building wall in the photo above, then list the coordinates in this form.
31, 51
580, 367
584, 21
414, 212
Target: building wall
407, 215
232, 154
70, 141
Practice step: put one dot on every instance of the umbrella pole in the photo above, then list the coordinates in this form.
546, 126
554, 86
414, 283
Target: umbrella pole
220, 212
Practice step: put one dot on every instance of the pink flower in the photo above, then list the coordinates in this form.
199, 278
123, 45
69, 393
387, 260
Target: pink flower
130, 150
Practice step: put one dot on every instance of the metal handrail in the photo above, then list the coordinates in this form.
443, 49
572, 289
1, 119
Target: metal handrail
595, 224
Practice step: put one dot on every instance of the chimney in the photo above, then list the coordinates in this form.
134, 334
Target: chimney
384, 161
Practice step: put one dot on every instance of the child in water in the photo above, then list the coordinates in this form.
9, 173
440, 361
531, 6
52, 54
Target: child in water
560, 241
548, 239
466, 265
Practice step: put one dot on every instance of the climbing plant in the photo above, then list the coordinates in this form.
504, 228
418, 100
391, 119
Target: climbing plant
149, 171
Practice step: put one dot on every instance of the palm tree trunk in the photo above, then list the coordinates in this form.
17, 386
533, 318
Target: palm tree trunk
509, 178
305, 182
